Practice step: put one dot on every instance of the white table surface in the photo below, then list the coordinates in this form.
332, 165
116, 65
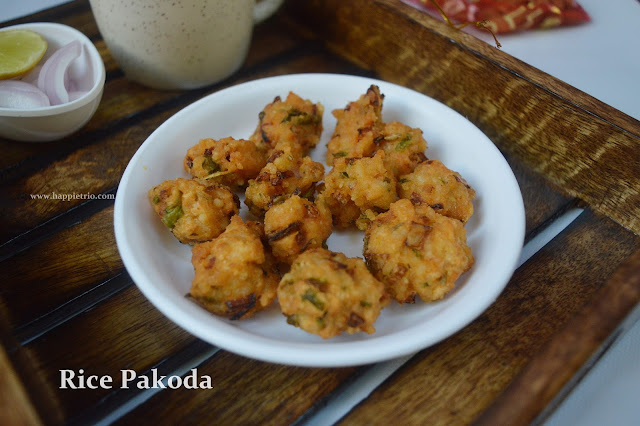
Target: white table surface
601, 58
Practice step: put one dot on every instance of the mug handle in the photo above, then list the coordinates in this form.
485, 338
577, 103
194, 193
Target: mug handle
265, 9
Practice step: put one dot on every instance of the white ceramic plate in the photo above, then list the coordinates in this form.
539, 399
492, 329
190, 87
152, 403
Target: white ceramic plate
161, 266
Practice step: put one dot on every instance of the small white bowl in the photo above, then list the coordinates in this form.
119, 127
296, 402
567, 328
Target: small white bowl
55, 122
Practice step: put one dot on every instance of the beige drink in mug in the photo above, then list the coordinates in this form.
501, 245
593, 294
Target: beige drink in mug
179, 44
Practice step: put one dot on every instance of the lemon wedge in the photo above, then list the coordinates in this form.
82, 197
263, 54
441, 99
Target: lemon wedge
20, 51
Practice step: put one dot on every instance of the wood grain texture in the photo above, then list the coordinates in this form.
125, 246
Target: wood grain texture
124, 332
570, 349
52, 273
97, 167
15, 406
575, 141
76, 13
543, 202
456, 380
245, 392
37, 398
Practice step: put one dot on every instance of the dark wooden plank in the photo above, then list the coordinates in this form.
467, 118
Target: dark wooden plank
575, 141
50, 274
79, 304
543, 202
15, 406
455, 381
36, 396
347, 27
244, 392
65, 14
70, 218
80, 172
190, 355
124, 332
574, 346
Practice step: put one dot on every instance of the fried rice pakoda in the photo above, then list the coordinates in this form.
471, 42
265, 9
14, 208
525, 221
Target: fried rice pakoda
358, 127
296, 225
193, 211
403, 146
358, 187
444, 190
327, 293
235, 276
295, 123
284, 175
227, 161
415, 251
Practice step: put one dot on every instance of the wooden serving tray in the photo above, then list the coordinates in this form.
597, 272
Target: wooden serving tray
67, 303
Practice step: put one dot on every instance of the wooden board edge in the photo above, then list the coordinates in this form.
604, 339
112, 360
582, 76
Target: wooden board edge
325, 10
15, 405
580, 340
604, 174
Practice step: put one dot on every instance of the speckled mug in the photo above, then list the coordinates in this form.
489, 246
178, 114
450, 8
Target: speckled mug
179, 44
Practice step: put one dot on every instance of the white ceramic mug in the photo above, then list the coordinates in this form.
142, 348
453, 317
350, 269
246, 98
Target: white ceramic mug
179, 44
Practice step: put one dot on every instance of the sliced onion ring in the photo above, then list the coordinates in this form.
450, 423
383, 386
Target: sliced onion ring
52, 75
76, 94
20, 94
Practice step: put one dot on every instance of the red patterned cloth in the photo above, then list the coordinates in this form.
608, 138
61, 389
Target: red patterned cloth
507, 16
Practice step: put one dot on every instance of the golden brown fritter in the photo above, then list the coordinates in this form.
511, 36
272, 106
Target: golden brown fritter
234, 275
358, 127
227, 161
415, 251
295, 123
433, 184
296, 225
283, 176
326, 293
403, 147
356, 185
193, 211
